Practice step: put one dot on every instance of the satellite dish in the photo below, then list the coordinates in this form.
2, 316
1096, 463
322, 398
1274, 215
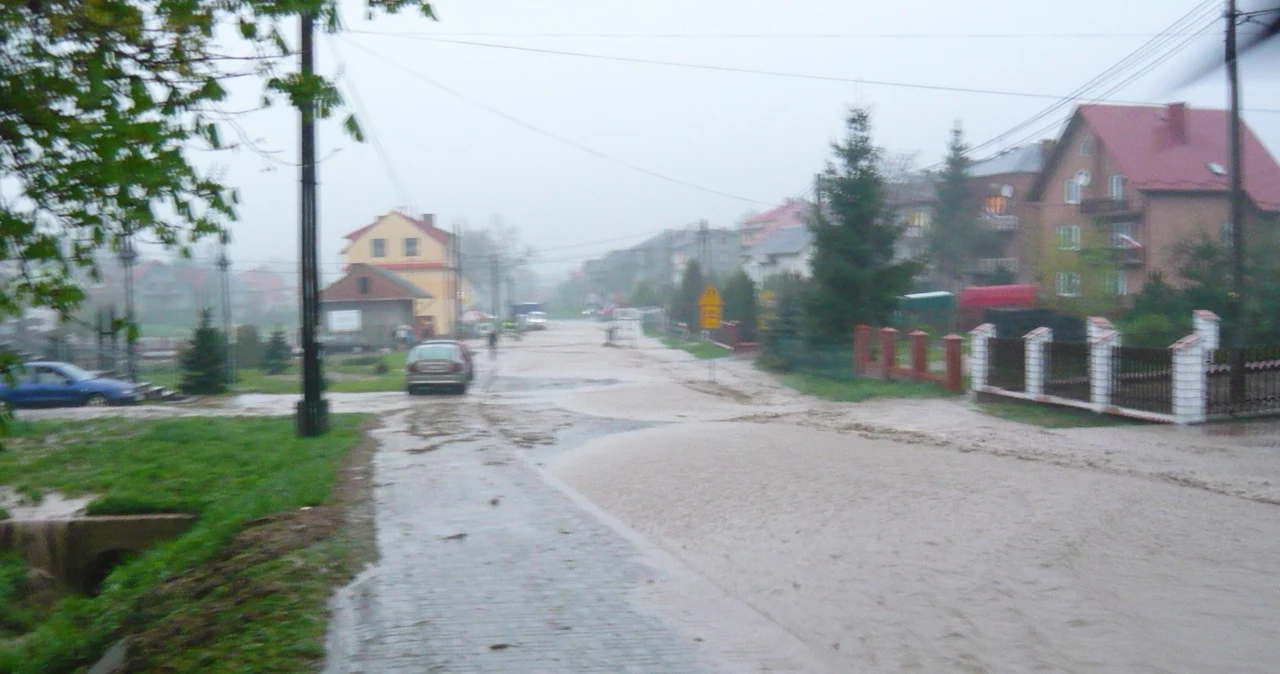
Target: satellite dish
1006, 191
1082, 178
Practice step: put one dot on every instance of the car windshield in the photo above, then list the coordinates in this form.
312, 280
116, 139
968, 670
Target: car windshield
434, 352
75, 373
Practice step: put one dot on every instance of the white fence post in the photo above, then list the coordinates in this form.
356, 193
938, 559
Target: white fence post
1096, 326
1037, 359
1205, 324
979, 354
1189, 380
1102, 348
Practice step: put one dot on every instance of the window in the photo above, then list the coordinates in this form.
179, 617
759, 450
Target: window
1117, 283
997, 205
411, 247
1086, 146
1117, 187
1226, 235
1121, 231
1069, 237
1068, 284
918, 219
378, 248
363, 282
1071, 191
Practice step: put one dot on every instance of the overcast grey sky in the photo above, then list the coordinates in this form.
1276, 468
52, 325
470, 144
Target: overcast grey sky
759, 138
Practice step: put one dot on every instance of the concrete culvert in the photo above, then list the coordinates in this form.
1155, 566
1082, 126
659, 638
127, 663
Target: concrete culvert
102, 566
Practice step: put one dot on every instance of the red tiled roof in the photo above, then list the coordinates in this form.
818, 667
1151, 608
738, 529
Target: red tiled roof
1142, 141
383, 285
426, 225
793, 212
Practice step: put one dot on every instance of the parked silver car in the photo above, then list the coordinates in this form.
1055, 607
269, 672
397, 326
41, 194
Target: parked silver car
436, 364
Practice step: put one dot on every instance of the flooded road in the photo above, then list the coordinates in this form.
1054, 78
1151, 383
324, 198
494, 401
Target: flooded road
592, 509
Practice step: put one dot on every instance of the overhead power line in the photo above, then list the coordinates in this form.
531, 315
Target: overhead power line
556, 137
738, 70
781, 36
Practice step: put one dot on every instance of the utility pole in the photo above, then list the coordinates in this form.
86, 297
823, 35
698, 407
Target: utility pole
224, 265
702, 248
1238, 314
312, 409
127, 258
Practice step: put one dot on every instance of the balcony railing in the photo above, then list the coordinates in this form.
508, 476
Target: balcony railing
989, 265
1130, 257
1000, 223
1108, 206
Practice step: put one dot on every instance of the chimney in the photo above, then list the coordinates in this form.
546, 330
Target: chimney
1176, 117
429, 218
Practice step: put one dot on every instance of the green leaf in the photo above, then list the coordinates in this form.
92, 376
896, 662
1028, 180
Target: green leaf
352, 126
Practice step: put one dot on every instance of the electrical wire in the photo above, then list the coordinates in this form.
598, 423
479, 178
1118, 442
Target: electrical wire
1130, 60
349, 84
553, 136
777, 36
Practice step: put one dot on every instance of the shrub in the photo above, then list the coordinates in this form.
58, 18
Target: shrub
277, 354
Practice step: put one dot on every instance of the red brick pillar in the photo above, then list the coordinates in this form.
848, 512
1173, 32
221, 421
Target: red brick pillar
888, 351
952, 347
861, 349
919, 354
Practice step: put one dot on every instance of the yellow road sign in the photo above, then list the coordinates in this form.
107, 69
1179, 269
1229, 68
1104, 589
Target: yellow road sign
710, 298
710, 318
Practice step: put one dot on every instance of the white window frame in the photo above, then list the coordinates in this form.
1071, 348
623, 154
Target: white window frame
1118, 283
417, 246
1118, 184
378, 248
1071, 191
1068, 237
1068, 284
1087, 146
1115, 233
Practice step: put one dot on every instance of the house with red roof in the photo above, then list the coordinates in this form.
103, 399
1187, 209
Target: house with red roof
1138, 180
417, 251
791, 213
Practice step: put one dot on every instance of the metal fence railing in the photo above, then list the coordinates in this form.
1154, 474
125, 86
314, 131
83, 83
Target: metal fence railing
1142, 379
1067, 371
1262, 382
1007, 363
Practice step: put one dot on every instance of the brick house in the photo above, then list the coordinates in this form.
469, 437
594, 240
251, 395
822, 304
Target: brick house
1003, 185
367, 306
1137, 180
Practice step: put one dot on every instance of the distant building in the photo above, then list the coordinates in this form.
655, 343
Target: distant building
1003, 184
367, 306
791, 213
787, 250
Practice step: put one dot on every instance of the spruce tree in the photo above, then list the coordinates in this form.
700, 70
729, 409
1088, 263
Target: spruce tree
686, 304
856, 278
956, 236
277, 353
248, 347
204, 363
740, 304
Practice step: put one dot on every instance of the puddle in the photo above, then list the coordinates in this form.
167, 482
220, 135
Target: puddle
583, 431
531, 384
52, 506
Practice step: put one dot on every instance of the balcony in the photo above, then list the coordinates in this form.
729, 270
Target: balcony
1000, 223
1108, 208
1129, 256
990, 265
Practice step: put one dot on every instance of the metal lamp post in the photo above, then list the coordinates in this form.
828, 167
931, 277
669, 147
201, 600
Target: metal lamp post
128, 256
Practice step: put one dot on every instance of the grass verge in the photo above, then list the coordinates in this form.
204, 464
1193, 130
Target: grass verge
700, 350
1052, 416
860, 390
345, 374
246, 588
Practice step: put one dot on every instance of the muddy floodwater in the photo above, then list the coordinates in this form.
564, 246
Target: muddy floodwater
619, 507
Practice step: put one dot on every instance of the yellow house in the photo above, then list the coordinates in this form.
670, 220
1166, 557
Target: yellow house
418, 252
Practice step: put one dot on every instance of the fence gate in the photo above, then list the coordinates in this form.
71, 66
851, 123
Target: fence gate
1142, 379
1261, 382
1067, 372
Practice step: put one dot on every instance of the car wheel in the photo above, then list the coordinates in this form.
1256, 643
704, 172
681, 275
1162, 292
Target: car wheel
95, 400
461, 389
411, 390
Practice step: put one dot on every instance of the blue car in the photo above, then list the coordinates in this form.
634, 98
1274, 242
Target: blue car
53, 384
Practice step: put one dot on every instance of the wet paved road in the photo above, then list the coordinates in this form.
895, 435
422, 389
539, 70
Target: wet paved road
488, 565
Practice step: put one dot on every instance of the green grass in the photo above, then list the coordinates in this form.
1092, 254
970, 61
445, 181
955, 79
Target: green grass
227, 472
355, 374
1052, 416
14, 617
860, 390
700, 350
